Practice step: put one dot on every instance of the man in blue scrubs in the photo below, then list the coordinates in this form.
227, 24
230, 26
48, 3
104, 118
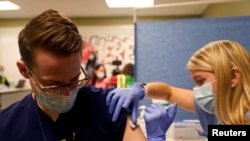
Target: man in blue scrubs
61, 107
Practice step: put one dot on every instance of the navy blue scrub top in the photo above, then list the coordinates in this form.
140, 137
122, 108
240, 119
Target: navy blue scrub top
205, 119
88, 120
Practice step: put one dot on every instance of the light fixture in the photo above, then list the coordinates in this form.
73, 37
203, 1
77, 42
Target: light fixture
7, 5
129, 3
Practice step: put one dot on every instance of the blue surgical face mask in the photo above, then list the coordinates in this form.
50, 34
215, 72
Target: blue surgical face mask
204, 97
58, 103
1, 73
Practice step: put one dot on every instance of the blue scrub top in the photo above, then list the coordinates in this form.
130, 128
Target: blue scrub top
88, 120
205, 119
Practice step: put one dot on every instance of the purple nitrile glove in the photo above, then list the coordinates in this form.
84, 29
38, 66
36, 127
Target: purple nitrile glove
127, 99
157, 120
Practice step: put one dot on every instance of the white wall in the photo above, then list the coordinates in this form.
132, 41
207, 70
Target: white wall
9, 52
102, 37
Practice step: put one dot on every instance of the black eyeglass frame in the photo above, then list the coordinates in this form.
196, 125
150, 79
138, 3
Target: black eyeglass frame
80, 83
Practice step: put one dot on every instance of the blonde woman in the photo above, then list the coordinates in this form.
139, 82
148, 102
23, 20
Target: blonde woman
221, 95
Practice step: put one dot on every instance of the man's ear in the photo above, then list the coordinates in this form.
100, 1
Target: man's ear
235, 76
22, 69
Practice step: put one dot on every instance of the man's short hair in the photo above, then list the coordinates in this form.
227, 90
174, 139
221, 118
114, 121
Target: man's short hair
50, 31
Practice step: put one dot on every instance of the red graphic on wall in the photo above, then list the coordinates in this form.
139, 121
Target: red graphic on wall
87, 49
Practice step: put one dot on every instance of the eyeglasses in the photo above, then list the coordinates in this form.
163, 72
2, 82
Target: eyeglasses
58, 89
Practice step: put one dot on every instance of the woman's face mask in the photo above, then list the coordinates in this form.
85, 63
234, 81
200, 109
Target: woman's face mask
100, 75
91, 57
205, 97
58, 103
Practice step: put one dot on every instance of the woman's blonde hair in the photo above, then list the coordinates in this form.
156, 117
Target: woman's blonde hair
220, 57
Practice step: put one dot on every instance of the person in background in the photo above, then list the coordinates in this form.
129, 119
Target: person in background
113, 78
3, 79
91, 63
126, 78
99, 79
221, 95
61, 106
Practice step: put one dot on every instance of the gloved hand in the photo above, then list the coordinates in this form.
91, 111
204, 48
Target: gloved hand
158, 120
127, 99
